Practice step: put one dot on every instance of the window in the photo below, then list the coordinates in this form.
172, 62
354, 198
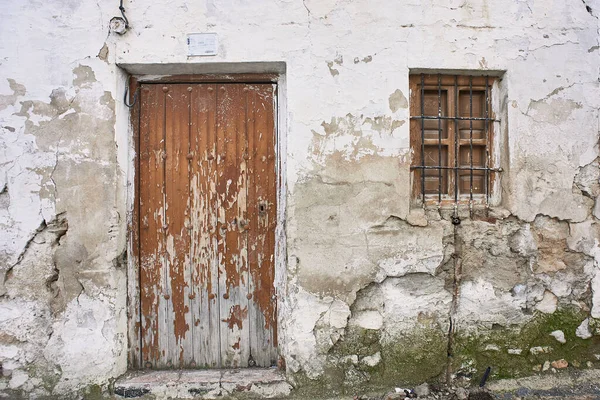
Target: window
451, 137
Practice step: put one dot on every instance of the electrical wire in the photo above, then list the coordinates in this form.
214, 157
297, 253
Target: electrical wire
126, 96
123, 14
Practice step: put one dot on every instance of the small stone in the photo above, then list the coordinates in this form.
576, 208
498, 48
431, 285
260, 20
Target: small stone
537, 368
540, 350
394, 396
515, 351
495, 251
422, 390
461, 393
480, 395
416, 217
560, 364
576, 364
352, 359
589, 364
523, 243
373, 360
499, 212
548, 304
583, 330
519, 290
492, 347
17, 379
559, 335
546, 366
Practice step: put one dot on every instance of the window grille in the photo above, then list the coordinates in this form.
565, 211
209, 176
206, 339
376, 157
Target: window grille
452, 126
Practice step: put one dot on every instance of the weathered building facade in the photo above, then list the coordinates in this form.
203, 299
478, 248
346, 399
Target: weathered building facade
367, 287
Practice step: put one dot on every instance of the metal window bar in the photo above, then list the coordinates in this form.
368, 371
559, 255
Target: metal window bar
454, 118
423, 137
486, 177
456, 140
439, 137
471, 140
458, 168
486, 169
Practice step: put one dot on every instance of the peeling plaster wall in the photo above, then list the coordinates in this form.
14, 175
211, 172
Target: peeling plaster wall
62, 289
362, 266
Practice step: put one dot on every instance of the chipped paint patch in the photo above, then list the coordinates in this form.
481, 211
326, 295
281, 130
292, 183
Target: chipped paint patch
397, 101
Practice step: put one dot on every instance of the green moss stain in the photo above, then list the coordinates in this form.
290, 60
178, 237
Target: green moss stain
472, 354
415, 358
48, 376
406, 360
323, 386
421, 355
93, 392
358, 341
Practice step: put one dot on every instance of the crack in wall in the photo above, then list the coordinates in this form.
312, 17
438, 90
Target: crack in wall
457, 278
57, 153
23, 252
588, 8
305, 6
58, 227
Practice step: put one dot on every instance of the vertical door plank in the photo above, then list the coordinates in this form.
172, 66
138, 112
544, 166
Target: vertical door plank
204, 254
240, 221
152, 170
133, 247
231, 187
254, 313
177, 234
165, 312
186, 359
263, 204
268, 276
219, 193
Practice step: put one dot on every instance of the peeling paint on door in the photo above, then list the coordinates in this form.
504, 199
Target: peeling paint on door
207, 223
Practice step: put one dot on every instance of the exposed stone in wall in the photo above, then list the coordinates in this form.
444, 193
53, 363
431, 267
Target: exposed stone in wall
38, 348
519, 283
545, 287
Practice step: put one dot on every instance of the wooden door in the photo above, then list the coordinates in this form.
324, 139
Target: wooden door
207, 209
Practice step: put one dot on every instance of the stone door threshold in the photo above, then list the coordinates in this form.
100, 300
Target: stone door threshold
260, 383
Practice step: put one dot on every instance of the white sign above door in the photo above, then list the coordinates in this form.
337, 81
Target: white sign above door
202, 44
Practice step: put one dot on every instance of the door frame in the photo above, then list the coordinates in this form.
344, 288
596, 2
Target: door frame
134, 347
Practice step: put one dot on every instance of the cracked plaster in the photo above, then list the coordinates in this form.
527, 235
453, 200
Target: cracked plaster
358, 256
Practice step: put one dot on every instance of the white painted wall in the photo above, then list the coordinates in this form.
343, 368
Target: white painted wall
65, 148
